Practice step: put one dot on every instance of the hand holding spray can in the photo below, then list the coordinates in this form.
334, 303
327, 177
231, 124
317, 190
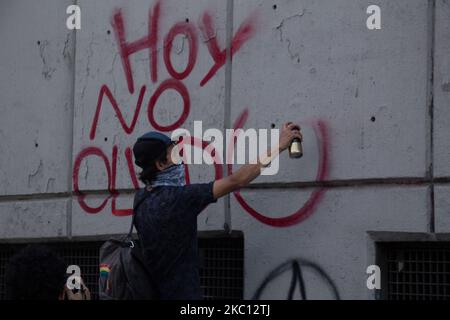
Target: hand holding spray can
296, 149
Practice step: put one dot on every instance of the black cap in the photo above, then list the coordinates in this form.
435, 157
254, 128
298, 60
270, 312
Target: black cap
150, 147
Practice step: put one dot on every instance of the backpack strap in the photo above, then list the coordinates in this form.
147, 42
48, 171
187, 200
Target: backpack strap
135, 207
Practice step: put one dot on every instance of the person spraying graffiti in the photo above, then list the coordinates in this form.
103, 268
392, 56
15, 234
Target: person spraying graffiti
166, 220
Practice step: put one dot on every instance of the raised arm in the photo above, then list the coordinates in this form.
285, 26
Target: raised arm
249, 172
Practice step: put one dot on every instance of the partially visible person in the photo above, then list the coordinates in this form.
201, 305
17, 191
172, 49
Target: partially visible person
37, 273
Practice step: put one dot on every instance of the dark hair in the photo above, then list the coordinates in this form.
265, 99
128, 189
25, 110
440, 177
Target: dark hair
148, 174
35, 273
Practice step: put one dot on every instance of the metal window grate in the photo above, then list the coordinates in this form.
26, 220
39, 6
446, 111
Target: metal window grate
222, 266
221, 263
415, 270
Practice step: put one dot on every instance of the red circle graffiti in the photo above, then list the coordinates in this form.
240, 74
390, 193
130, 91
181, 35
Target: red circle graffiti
188, 30
91, 151
308, 208
182, 90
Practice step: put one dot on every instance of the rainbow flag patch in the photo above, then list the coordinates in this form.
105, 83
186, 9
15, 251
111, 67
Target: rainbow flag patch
104, 270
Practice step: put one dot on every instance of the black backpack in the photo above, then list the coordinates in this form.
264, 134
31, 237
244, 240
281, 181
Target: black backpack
123, 271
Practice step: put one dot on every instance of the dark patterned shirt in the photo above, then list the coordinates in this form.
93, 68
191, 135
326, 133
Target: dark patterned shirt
167, 226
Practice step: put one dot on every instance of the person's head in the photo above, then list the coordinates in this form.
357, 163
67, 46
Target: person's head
35, 273
152, 153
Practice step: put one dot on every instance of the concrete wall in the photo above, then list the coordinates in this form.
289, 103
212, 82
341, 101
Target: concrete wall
372, 105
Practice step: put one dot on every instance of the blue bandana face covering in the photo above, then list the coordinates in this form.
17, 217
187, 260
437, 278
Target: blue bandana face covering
173, 176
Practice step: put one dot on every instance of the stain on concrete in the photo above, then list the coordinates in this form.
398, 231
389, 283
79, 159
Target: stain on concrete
292, 48
446, 87
47, 69
35, 177
66, 49
50, 185
111, 72
179, 44
90, 54
361, 139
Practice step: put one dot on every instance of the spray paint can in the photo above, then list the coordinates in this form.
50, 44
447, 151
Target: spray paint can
295, 149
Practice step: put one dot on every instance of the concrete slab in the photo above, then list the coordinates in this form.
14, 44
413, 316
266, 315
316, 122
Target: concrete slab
36, 90
37, 219
311, 61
